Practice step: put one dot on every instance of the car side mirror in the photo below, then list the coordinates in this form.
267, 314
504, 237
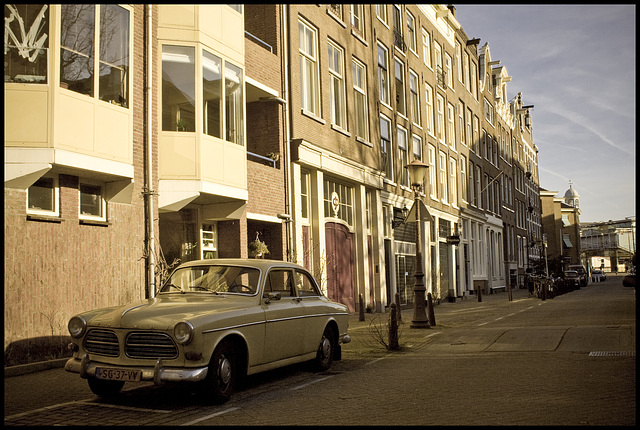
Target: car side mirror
272, 296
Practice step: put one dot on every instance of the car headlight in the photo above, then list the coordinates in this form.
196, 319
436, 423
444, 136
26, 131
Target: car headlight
77, 326
183, 332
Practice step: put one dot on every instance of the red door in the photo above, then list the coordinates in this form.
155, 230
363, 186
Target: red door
340, 284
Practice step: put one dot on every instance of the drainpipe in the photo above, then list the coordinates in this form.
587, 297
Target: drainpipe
148, 186
284, 55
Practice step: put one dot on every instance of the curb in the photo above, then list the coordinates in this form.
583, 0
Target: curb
23, 369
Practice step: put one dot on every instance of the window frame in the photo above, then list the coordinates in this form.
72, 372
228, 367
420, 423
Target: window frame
403, 155
360, 100
433, 175
102, 204
443, 179
384, 94
41, 43
55, 198
309, 76
337, 99
386, 147
411, 28
400, 86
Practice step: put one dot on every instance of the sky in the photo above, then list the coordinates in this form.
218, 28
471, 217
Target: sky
577, 65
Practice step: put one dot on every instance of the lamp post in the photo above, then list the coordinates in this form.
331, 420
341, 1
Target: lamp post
417, 170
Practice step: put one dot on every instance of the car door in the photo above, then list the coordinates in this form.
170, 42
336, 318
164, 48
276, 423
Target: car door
284, 317
316, 309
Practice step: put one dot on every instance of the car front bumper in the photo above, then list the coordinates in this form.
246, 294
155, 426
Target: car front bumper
158, 373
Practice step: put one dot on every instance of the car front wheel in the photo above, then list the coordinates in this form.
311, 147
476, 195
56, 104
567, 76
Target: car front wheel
218, 385
104, 388
326, 350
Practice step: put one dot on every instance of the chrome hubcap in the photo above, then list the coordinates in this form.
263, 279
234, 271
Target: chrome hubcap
224, 370
325, 347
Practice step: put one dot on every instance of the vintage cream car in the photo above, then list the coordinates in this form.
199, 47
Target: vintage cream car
212, 322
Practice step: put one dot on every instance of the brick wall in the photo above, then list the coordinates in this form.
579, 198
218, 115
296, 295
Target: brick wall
54, 270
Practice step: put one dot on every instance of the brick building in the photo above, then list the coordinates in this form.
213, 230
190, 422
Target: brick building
209, 127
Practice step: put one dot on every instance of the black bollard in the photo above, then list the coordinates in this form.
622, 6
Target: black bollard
361, 304
479, 294
430, 315
393, 328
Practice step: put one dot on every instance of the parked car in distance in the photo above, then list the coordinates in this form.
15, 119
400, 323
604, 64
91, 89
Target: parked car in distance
571, 278
212, 322
598, 275
582, 273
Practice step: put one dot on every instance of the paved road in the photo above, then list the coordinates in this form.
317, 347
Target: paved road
566, 361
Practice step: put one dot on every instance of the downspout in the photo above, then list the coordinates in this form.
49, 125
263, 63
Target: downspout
284, 51
148, 186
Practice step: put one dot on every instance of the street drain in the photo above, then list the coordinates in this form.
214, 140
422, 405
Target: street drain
612, 354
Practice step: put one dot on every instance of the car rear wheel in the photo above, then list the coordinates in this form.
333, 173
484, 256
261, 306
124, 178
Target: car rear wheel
326, 350
221, 376
104, 388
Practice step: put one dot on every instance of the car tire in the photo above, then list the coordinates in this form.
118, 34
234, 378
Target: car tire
221, 376
326, 351
103, 388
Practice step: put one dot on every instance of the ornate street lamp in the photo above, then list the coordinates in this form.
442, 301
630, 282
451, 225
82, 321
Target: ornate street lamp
417, 171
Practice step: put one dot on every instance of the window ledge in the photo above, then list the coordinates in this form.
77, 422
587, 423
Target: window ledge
44, 218
312, 116
340, 130
94, 222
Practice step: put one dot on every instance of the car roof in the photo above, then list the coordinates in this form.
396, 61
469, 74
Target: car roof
261, 264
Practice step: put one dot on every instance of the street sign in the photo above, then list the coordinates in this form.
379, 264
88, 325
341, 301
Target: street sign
424, 212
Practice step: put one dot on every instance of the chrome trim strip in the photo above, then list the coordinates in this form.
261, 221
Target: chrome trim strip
232, 327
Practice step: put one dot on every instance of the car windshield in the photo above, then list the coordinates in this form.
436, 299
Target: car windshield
213, 279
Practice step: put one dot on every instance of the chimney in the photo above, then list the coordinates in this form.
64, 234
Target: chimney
452, 8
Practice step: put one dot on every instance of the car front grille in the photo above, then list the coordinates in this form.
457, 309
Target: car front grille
102, 342
150, 345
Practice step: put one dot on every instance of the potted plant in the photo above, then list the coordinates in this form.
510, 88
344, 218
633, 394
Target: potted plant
181, 124
258, 249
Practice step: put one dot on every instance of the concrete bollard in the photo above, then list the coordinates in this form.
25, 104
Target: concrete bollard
361, 304
430, 315
393, 327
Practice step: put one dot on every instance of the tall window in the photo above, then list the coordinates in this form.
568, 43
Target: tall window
461, 136
415, 98
361, 108
440, 119
432, 172
383, 74
463, 178
488, 111
447, 70
403, 177
465, 70
429, 102
178, 88
473, 76
417, 147
478, 195
26, 42
401, 105
304, 195
411, 26
78, 46
437, 59
453, 185
309, 81
443, 177
233, 103
337, 87
451, 126
476, 134
357, 18
468, 133
381, 11
472, 184
458, 60
426, 48
385, 146
212, 94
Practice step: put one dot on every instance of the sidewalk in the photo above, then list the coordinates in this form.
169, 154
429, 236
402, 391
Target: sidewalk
365, 334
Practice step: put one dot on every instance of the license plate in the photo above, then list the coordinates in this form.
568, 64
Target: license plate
113, 374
